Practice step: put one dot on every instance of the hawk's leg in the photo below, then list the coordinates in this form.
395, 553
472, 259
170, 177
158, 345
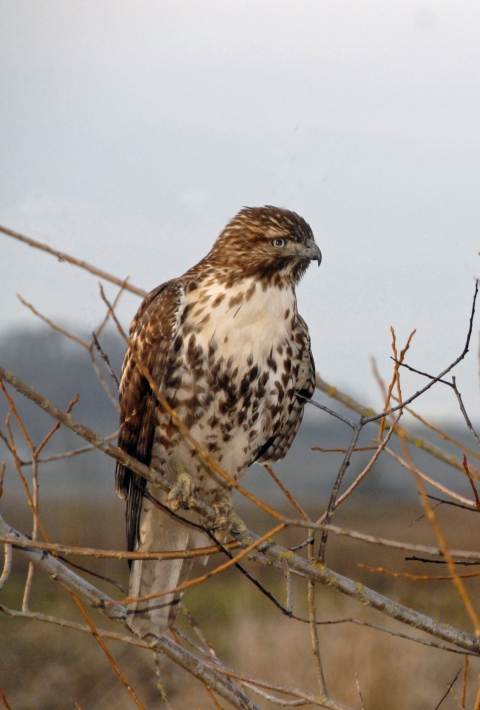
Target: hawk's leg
182, 493
226, 521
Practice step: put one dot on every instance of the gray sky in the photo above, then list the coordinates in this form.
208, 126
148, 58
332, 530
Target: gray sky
132, 131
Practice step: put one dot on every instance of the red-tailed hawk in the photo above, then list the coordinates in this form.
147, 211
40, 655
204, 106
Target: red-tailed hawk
226, 346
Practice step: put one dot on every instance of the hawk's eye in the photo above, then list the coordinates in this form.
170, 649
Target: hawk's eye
279, 243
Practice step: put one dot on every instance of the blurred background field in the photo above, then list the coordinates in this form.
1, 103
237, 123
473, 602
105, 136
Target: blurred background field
43, 666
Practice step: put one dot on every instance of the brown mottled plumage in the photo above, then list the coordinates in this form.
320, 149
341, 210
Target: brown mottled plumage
228, 349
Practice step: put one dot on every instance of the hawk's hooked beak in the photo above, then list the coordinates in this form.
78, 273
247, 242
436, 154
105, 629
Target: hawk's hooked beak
312, 251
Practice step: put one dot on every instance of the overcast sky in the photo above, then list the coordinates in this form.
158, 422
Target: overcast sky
132, 131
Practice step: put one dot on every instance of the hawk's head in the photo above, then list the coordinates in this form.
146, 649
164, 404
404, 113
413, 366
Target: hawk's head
269, 243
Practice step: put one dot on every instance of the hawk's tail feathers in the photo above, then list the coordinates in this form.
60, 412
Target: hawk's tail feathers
158, 531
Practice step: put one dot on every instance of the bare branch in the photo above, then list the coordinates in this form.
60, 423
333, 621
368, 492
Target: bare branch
399, 634
71, 454
448, 690
439, 377
332, 413
67, 624
427, 479
419, 442
464, 411
105, 359
52, 324
7, 564
364, 595
62, 256
333, 497
120, 554
372, 539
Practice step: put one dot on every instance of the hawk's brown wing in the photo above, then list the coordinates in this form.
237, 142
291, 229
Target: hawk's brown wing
152, 332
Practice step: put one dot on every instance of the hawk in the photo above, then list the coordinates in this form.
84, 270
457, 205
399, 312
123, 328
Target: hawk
226, 346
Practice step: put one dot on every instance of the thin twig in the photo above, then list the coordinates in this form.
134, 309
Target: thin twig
212, 697
51, 323
288, 581
399, 634
123, 589
312, 618
7, 564
31, 566
53, 431
451, 502
465, 679
19, 471
18, 418
106, 318
287, 493
342, 451
427, 479
326, 409
466, 563
4, 700
418, 577
333, 497
201, 636
395, 379
112, 397
71, 454
3, 468
474, 489
7, 443
303, 544
284, 609
121, 554
464, 411
448, 690
359, 691
105, 359
274, 699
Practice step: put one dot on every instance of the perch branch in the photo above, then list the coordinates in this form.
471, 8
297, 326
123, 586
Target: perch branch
98, 600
